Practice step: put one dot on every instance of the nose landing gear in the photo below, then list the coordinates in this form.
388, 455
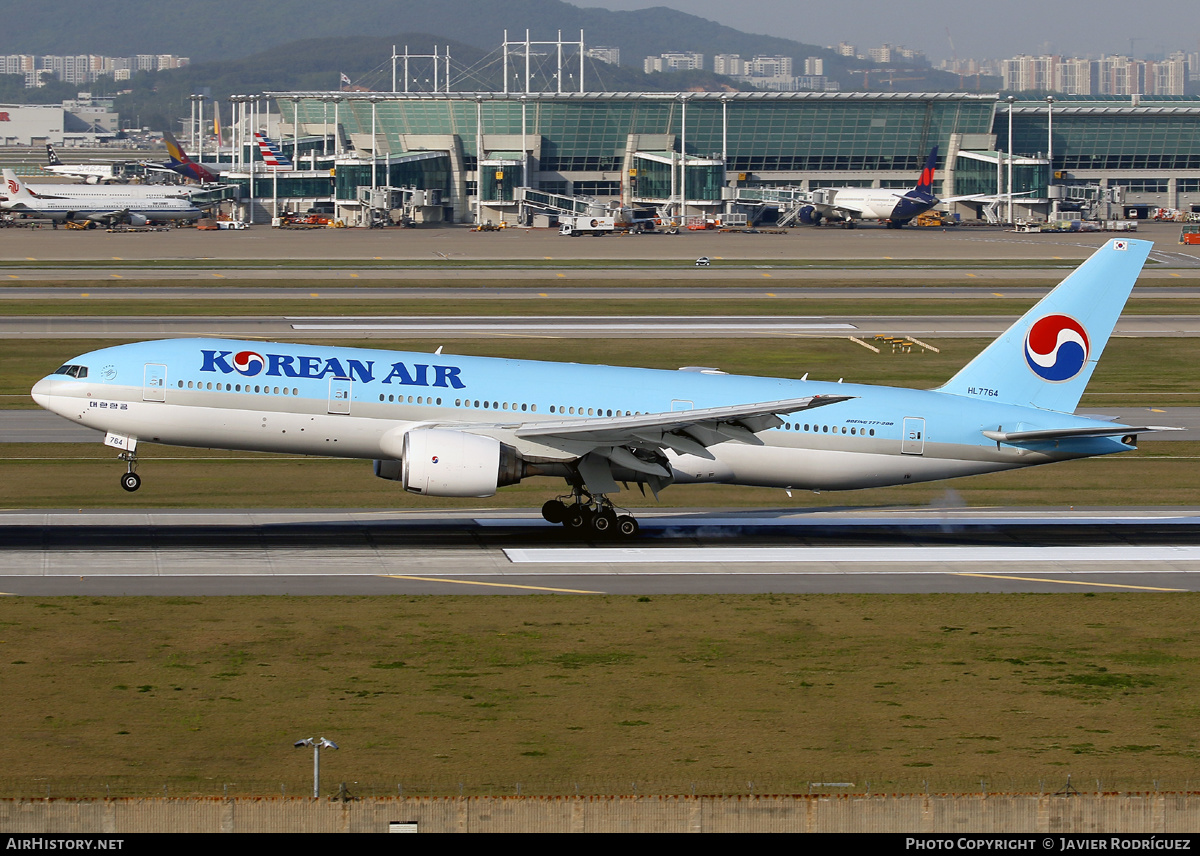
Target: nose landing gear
130, 480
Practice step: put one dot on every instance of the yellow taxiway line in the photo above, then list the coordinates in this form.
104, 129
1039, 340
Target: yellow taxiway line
477, 583
1066, 582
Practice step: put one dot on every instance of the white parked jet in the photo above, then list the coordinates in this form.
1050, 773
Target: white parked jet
444, 425
848, 205
107, 204
92, 173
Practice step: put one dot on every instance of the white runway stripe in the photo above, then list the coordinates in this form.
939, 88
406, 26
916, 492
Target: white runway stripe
896, 559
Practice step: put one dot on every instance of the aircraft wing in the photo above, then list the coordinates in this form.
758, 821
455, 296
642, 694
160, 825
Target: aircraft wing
983, 197
1072, 433
838, 207
687, 432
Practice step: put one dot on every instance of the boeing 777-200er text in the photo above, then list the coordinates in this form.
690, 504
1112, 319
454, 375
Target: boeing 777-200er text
445, 425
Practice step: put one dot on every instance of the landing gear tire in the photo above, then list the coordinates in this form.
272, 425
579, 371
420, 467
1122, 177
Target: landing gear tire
605, 522
131, 481
554, 511
627, 526
578, 518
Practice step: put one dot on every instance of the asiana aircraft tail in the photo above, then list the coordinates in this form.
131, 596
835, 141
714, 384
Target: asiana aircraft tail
443, 425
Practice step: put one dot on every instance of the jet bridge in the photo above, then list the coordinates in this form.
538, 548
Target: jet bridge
756, 202
556, 204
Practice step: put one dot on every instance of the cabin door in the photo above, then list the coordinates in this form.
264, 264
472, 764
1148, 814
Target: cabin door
154, 387
339, 394
913, 442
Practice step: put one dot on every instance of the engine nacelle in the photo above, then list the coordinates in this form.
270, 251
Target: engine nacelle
441, 462
138, 220
391, 470
805, 215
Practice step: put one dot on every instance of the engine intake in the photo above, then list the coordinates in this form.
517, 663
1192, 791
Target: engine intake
441, 462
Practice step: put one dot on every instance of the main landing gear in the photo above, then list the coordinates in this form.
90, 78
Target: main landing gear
590, 515
131, 481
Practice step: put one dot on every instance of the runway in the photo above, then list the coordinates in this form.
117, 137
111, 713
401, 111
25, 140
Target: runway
48, 249
502, 552
562, 326
550, 295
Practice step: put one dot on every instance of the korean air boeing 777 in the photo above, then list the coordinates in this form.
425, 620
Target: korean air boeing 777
444, 425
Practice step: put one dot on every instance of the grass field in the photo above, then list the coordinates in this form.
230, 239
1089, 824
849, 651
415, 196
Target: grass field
767, 693
559, 261
756, 304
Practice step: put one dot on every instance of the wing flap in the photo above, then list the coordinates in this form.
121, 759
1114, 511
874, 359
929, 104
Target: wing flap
671, 429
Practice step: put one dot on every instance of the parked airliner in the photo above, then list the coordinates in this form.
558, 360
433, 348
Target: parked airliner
121, 203
445, 425
92, 173
205, 173
896, 208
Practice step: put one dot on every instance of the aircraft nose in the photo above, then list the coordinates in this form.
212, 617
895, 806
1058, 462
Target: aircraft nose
42, 390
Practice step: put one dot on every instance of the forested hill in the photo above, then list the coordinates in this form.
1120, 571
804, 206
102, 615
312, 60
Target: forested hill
228, 29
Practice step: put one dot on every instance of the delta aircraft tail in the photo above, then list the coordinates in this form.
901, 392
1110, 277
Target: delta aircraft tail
925, 182
1046, 358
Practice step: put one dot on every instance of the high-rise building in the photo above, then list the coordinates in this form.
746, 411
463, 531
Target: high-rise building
1169, 76
674, 61
612, 56
729, 64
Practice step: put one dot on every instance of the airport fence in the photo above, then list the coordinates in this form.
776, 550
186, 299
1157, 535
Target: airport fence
185, 787
938, 813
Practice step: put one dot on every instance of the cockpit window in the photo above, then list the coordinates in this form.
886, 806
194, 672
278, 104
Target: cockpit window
77, 372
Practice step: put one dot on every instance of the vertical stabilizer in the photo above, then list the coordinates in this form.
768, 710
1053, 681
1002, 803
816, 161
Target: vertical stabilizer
1047, 358
52, 158
14, 188
272, 155
925, 182
182, 164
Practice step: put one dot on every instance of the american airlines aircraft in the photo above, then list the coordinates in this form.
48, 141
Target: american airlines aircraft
444, 425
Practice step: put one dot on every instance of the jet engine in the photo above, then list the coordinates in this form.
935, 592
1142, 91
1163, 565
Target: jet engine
440, 462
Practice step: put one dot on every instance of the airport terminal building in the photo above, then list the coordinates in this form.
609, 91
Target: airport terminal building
472, 157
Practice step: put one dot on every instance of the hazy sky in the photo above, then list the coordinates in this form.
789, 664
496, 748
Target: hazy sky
980, 28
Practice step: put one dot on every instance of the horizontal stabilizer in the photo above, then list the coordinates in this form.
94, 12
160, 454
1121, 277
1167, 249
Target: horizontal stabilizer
1073, 433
